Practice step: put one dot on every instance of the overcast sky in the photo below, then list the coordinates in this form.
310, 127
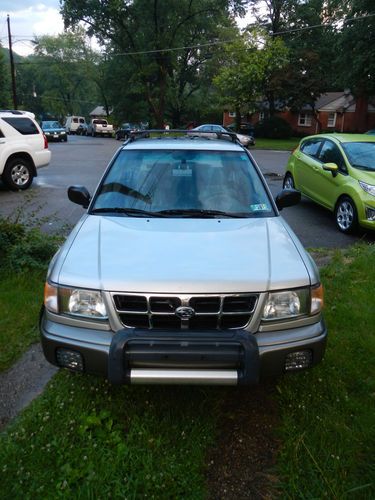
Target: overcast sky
29, 18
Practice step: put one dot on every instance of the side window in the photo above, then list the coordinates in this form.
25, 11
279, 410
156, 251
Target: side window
23, 125
81, 120
75, 120
330, 153
311, 147
1, 133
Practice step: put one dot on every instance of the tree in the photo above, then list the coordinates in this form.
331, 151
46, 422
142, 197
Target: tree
143, 34
59, 77
4, 81
248, 68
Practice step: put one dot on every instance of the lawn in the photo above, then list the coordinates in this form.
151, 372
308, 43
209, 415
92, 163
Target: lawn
276, 144
86, 439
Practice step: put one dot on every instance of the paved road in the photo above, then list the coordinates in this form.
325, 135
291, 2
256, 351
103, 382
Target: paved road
82, 160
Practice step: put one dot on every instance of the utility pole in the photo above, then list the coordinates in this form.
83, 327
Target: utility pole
12, 70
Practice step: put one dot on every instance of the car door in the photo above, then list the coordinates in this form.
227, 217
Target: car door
306, 165
326, 185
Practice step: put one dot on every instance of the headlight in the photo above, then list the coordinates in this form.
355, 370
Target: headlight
75, 302
293, 303
369, 188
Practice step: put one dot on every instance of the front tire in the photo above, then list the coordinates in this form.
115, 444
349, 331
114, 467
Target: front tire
346, 215
18, 174
288, 182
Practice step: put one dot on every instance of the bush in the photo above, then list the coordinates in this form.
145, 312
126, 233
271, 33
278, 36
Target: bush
273, 128
24, 250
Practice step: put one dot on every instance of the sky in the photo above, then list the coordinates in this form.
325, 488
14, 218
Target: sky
27, 19
30, 18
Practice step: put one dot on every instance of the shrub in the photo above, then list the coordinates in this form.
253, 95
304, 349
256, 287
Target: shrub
273, 127
24, 250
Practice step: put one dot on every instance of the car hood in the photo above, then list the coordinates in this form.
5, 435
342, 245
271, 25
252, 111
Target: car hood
181, 255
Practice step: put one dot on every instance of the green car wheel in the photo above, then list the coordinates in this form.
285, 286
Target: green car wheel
346, 215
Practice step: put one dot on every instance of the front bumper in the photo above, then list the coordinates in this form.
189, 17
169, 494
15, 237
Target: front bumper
229, 357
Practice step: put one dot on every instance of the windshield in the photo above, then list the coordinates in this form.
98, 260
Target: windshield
51, 125
361, 155
186, 183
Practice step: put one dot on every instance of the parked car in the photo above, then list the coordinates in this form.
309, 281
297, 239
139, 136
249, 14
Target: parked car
338, 172
125, 129
54, 131
82, 129
23, 148
73, 123
208, 130
371, 132
100, 126
183, 271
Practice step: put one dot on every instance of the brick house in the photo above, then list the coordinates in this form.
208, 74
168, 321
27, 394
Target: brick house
333, 112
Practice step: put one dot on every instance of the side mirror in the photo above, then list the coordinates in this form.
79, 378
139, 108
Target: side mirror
79, 195
287, 198
331, 167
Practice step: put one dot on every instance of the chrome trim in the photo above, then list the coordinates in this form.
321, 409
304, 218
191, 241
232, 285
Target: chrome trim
197, 377
185, 302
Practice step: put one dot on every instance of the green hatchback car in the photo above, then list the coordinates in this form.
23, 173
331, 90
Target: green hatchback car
338, 172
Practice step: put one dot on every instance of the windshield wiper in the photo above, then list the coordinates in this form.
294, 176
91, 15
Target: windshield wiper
132, 212
195, 212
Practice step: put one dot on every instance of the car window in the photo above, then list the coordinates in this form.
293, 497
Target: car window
75, 120
311, 147
361, 155
81, 120
175, 180
330, 153
23, 125
1, 133
217, 128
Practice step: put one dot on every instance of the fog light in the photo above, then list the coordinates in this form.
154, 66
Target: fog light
370, 214
69, 359
298, 360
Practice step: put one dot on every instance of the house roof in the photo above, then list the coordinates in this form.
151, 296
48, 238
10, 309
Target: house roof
99, 111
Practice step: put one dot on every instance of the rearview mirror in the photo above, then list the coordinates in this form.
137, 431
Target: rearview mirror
79, 195
287, 198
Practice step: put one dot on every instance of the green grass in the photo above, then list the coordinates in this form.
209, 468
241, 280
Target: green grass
86, 439
21, 297
328, 429
276, 144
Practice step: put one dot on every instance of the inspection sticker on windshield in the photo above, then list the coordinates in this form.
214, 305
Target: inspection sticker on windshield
259, 208
182, 172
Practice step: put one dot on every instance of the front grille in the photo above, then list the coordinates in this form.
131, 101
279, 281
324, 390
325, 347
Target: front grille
211, 312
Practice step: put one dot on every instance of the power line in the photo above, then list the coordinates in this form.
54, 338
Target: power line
224, 42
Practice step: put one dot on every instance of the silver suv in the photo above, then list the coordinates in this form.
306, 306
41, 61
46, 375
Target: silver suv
23, 148
182, 271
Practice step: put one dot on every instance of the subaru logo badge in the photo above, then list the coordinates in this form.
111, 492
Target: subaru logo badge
184, 312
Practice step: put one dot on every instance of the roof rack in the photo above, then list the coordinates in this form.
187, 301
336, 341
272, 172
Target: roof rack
188, 134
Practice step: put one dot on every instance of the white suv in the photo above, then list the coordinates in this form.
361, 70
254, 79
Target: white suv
23, 149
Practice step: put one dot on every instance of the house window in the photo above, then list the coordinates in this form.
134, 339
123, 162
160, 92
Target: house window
304, 120
331, 122
232, 114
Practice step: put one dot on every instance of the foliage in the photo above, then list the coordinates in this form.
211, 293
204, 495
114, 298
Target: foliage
24, 249
273, 127
328, 426
246, 68
140, 34
4, 80
60, 78
355, 48
87, 439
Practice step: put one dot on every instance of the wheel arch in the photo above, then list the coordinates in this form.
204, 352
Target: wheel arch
25, 156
